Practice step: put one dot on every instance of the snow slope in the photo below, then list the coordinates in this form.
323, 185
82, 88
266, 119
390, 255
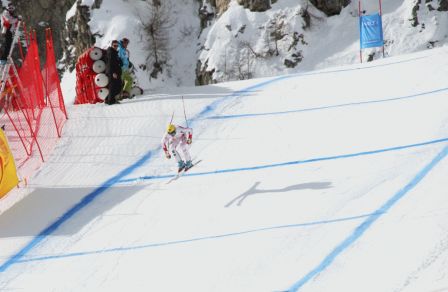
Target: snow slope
331, 180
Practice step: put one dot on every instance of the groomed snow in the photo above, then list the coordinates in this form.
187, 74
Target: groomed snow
331, 180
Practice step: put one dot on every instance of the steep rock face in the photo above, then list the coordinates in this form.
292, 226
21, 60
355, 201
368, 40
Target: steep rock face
255, 5
330, 7
428, 5
220, 5
71, 38
443, 5
204, 77
77, 36
41, 14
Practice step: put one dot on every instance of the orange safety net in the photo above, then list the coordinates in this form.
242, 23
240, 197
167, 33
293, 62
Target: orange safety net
52, 85
33, 108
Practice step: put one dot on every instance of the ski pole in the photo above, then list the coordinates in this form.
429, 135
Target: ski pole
172, 116
185, 115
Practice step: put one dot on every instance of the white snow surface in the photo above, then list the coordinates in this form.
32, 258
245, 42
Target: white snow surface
330, 180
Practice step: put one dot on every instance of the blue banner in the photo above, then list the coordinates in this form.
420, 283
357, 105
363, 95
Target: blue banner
371, 31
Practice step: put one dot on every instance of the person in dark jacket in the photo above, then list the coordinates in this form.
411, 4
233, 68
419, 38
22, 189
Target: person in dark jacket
9, 25
113, 72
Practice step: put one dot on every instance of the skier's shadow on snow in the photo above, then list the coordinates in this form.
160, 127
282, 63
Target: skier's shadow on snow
254, 191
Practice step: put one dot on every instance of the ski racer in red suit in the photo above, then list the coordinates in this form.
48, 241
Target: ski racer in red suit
177, 137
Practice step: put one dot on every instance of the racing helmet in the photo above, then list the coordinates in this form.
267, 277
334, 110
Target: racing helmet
171, 129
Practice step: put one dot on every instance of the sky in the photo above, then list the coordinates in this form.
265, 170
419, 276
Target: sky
329, 180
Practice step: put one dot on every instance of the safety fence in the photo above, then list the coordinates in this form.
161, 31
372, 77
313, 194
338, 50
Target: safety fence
91, 82
33, 110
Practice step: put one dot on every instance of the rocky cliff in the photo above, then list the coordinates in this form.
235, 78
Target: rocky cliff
329, 7
70, 37
41, 14
76, 34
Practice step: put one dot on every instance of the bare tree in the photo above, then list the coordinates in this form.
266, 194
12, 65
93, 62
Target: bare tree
240, 64
244, 61
156, 28
277, 30
247, 45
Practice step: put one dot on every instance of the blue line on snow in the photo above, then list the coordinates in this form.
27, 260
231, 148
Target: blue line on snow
157, 244
323, 107
101, 189
250, 89
153, 177
359, 231
70, 213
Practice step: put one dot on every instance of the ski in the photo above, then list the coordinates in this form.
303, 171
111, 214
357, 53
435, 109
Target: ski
195, 163
179, 174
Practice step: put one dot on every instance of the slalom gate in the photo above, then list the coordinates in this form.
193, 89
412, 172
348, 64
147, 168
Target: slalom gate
32, 106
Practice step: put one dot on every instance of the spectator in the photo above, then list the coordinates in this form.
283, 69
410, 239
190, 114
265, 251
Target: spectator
9, 25
113, 72
126, 67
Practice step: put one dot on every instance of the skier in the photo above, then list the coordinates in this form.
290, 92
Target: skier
178, 137
9, 24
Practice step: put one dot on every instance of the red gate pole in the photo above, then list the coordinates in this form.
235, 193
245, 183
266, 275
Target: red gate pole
49, 42
381, 14
49, 101
17, 130
45, 83
359, 15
